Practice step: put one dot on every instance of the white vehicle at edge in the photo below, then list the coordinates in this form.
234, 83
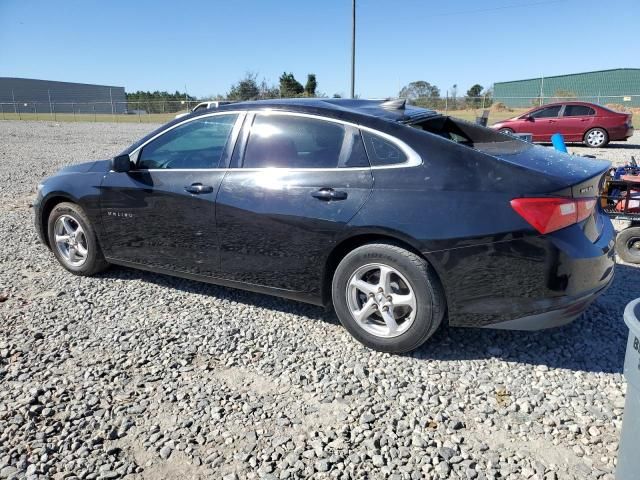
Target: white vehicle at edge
205, 106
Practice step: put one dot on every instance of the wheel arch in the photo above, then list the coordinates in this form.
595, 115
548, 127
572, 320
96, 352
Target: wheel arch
346, 245
47, 207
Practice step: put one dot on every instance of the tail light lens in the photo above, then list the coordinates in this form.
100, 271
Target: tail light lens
547, 215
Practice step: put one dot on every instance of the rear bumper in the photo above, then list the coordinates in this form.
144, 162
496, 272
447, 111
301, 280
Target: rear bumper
620, 133
567, 311
528, 283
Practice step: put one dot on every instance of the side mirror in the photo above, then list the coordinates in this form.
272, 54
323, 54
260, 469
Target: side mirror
528, 118
121, 163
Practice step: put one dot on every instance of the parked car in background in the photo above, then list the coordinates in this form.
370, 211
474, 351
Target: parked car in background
396, 216
591, 124
205, 106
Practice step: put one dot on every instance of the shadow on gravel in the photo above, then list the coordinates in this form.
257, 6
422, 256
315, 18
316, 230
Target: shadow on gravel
595, 342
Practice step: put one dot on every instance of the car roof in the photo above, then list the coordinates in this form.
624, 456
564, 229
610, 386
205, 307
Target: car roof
377, 114
569, 102
345, 109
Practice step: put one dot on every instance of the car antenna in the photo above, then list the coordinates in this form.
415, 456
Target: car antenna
396, 104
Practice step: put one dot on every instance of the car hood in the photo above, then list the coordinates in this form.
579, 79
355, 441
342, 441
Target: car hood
93, 166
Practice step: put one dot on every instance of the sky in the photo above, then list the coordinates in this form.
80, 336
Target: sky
206, 46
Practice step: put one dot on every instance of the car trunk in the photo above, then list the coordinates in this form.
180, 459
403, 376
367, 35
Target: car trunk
572, 176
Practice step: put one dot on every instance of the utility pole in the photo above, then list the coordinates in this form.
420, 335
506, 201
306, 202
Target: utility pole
353, 48
541, 90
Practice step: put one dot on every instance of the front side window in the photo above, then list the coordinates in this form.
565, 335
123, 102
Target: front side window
578, 111
196, 144
546, 112
291, 141
381, 151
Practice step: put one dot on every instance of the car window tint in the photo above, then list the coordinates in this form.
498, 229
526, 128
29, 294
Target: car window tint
546, 112
195, 144
381, 151
200, 107
578, 111
290, 141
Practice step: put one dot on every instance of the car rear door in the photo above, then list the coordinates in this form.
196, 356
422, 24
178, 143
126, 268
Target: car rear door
295, 181
575, 121
161, 214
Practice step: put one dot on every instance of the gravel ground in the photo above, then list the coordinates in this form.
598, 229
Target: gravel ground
137, 375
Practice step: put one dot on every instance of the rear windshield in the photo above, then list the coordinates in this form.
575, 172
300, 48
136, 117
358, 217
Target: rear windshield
468, 134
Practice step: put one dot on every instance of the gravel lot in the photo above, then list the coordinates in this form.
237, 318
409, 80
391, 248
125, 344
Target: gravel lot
137, 375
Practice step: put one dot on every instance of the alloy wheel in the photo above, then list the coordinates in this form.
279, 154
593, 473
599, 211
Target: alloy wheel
381, 300
71, 241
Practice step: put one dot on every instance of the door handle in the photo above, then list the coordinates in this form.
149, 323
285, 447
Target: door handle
198, 188
329, 194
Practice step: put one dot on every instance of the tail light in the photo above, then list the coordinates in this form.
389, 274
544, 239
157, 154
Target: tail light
547, 215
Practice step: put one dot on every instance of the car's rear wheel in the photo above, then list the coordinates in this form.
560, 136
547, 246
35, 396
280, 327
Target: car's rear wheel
596, 137
73, 240
387, 297
628, 244
506, 131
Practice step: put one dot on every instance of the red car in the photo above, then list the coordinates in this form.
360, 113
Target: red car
592, 124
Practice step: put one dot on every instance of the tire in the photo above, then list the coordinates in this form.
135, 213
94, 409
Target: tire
77, 248
628, 244
596, 137
506, 131
417, 303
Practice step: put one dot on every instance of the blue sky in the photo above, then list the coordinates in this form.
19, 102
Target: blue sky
208, 45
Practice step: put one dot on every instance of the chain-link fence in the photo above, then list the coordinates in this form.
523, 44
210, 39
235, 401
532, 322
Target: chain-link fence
159, 111
143, 111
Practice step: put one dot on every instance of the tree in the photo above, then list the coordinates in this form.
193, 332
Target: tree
158, 102
311, 85
245, 89
289, 86
473, 96
421, 93
419, 89
268, 91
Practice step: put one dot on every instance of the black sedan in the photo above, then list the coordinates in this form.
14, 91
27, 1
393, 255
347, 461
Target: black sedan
396, 216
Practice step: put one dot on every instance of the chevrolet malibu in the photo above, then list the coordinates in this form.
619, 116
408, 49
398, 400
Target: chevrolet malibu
396, 216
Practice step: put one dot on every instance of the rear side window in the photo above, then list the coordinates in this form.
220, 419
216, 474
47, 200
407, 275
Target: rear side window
290, 141
578, 111
381, 151
196, 144
547, 112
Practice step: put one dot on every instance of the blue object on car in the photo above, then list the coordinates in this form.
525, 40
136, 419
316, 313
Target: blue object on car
558, 142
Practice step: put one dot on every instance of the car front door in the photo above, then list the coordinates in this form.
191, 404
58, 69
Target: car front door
161, 214
298, 183
543, 123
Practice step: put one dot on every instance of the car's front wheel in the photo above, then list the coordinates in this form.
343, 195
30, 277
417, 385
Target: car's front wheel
506, 131
387, 297
73, 240
596, 137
